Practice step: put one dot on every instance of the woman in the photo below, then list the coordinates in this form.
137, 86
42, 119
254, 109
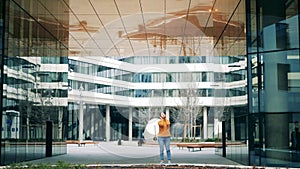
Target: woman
164, 137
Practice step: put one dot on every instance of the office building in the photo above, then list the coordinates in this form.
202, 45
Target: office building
102, 70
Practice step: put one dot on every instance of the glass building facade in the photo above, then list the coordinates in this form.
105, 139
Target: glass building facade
273, 74
34, 68
148, 99
64, 77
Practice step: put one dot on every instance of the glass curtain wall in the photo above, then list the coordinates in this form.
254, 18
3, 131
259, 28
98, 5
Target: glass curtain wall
32, 98
274, 98
233, 118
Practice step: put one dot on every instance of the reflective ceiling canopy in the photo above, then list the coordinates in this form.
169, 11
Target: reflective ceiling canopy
124, 28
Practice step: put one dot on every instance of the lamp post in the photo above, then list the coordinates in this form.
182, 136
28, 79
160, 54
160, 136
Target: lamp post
80, 118
49, 124
223, 137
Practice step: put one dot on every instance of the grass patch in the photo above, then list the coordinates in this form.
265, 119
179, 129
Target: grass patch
58, 165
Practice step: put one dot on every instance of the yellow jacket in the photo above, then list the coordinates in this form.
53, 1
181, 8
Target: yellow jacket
164, 128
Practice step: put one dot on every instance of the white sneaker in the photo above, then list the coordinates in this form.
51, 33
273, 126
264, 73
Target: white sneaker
161, 163
169, 162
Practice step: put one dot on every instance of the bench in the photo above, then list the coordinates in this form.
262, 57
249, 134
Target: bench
81, 143
181, 145
193, 146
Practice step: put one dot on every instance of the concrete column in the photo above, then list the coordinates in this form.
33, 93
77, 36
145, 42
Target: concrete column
80, 115
119, 131
60, 116
107, 127
80, 119
29, 109
232, 125
130, 124
167, 112
217, 128
205, 135
92, 134
74, 117
100, 125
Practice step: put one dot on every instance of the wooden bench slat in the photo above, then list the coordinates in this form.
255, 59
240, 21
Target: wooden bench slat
193, 146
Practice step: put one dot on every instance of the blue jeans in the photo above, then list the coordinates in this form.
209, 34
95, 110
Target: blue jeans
164, 142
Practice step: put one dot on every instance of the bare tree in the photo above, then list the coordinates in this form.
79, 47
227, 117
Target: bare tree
189, 110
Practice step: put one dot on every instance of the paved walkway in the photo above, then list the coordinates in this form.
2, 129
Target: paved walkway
131, 153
